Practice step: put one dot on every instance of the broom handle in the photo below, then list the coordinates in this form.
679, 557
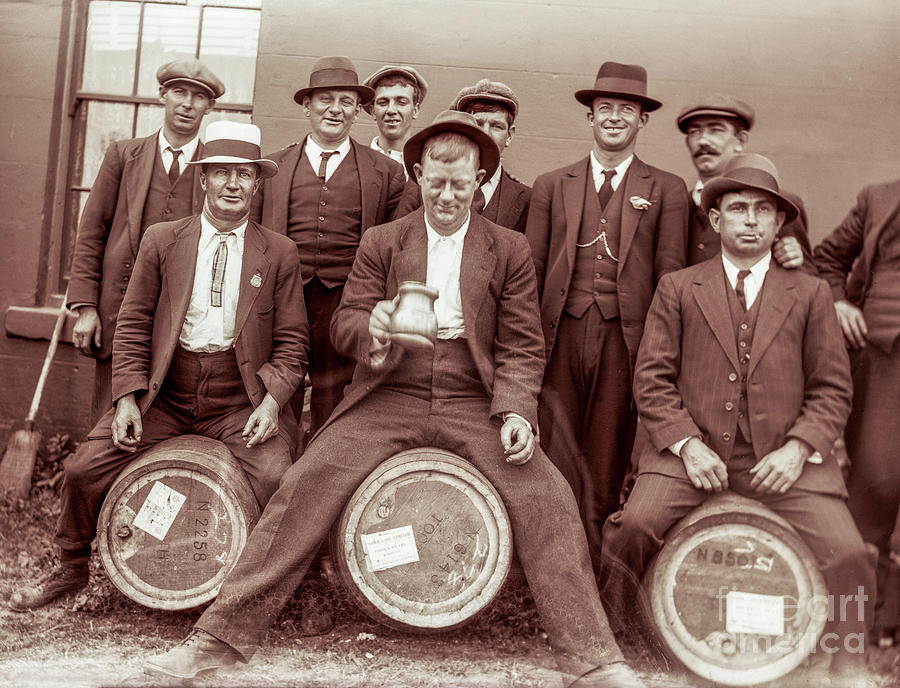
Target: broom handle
45, 371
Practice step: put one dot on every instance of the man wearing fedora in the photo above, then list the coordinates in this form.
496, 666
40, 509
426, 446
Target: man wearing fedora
717, 128
140, 182
210, 340
330, 190
743, 384
602, 232
473, 392
399, 91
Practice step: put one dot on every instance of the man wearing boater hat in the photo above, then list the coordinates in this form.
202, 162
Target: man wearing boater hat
140, 182
210, 340
474, 393
717, 128
331, 189
399, 91
602, 232
743, 383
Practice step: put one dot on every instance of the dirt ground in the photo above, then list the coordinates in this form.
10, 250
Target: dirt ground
100, 638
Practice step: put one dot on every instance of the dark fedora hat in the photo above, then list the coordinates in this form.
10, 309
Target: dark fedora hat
747, 171
620, 81
460, 123
335, 73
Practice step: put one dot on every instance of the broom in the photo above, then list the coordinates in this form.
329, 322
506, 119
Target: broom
21, 450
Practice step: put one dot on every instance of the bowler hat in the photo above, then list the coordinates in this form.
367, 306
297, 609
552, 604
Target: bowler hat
487, 90
193, 72
235, 143
717, 105
620, 81
335, 73
460, 123
399, 70
747, 171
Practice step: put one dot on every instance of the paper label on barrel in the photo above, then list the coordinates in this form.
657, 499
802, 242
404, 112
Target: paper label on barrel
747, 612
390, 548
159, 510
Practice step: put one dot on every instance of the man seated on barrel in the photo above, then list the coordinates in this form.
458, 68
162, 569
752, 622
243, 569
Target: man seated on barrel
211, 340
743, 383
474, 393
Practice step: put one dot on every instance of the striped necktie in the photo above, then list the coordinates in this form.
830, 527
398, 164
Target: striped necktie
218, 270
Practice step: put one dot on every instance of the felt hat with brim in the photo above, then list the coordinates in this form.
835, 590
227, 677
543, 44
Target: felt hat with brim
620, 81
396, 70
235, 143
487, 91
459, 123
335, 73
716, 105
191, 72
747, 171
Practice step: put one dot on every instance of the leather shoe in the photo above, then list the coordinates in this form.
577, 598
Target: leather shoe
64, 579
199, 653
612, 675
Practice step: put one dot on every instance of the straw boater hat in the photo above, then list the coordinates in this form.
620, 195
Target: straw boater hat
747, 171
717, 105
336, 73
235, 142
620, 81
460, 123
486, 90
399, 70
193, 72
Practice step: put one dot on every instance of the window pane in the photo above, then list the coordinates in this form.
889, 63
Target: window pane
110, 47
149, 119
170, 33
106, 122
228, 46
231, 3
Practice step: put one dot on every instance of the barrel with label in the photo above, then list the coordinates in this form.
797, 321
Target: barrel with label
736, 594
424, 543
174, 523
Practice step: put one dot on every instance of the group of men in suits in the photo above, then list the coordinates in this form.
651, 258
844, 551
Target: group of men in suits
550, 336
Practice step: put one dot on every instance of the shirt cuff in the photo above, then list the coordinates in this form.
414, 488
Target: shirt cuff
509, 414
378, 353
676, 447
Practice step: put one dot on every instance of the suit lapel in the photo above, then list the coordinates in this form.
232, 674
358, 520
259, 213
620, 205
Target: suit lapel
369, 184
710, 295
509, 199
281, 184
181, 263
254, 264
478, 261
777, 299
411, 263
197, 195
573, 186
137, 172
638, 182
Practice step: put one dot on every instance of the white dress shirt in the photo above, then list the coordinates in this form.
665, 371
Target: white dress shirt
696, 192
313, 152
490, 186
392, 154
187, 152
597, 171
444, 261
207, 328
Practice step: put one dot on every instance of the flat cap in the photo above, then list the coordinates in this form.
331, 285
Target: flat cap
717, 105
193, 72
401, 70
487, 90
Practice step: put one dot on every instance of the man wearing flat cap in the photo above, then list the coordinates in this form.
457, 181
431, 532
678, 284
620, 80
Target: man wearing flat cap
140, 182
743, 384
210, 340
329, 192
602, 232
399, 91
716, 129
473, 392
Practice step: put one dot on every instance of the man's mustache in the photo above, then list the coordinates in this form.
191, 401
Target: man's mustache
706, 150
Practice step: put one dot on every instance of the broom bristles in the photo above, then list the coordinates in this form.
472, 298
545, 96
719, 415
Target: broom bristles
18, 462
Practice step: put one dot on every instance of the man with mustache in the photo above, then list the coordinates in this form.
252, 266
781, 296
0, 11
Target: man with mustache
399, 91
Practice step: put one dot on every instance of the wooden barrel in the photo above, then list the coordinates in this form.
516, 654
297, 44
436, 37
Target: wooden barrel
175, 521
424, 543
736, 594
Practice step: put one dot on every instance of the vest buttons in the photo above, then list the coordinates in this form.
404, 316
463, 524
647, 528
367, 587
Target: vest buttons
321, 202
123, 291
127, 265
562, 291
321, 218
602, 220
744, 326
701, 246
732, 377
743, 344
726, 436
729, 406
324, 188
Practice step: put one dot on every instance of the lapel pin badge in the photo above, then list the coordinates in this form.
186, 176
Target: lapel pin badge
256, 280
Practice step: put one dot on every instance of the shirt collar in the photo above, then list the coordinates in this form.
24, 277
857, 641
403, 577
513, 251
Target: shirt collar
494, 180
187, 150
314, 149
207, 231
696, 191
621, 169
457, 236
760, 268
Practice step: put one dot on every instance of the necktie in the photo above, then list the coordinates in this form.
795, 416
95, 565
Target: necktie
218, 271
174, 168
478, 201
739, 287
606, 190
324, 162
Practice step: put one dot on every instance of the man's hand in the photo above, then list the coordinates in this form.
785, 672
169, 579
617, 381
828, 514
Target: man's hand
263, 422
517, 440
787, 252
778, 470
380, 322
852, 323
127, 426
87, 331
703, 466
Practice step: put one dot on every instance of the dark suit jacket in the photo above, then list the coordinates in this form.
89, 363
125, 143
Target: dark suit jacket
652, 242
270, 327
512, 197
850, 249
381, 180
499, 302
110, 230
687, 371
